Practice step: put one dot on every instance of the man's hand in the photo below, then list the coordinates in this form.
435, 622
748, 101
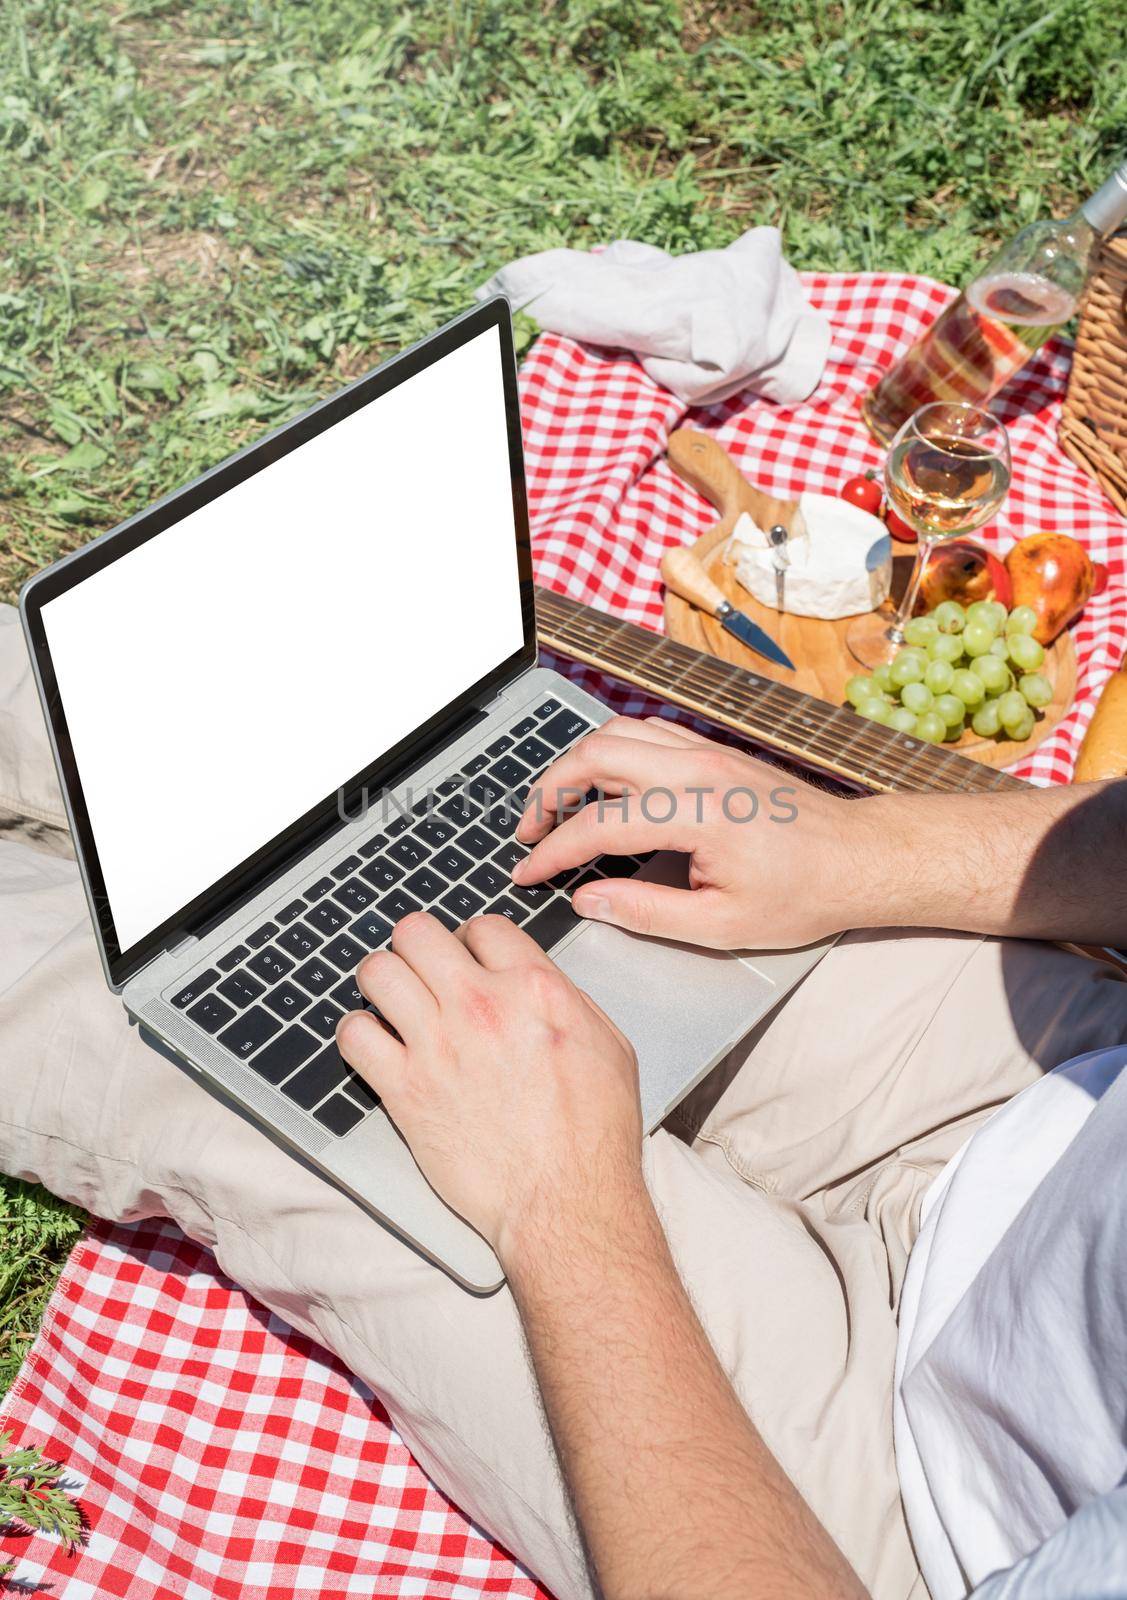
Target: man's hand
517, 1095
772, 859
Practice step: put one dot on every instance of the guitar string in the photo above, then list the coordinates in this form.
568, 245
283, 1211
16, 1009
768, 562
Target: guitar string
868, 742
860, 741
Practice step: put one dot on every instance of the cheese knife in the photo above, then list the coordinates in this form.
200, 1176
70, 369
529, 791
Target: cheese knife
685, 575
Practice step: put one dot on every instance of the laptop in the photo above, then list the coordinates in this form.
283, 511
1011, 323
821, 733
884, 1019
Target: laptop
299, 698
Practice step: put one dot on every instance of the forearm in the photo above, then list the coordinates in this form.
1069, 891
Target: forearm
675, 1491
1034, 863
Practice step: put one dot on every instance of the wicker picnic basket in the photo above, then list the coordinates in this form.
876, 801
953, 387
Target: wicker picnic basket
1093, 429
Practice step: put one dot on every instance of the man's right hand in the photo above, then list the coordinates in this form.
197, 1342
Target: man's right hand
788, 874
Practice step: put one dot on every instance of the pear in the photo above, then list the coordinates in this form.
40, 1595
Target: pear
1055, 575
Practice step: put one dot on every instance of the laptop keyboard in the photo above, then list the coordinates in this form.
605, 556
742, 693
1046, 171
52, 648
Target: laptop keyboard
274, 999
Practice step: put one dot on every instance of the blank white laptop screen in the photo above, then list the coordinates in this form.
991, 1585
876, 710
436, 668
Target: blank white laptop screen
223, 678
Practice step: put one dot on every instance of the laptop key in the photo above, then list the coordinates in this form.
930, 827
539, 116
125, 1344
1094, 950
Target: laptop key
284, 1053
426, 884
354, 895
300, 940
210, 1013
262, 935
447, 918
552, 923
270, 964
508, 908
323, 1017
490, 880
316, 1079
435, 832
498, 747
377, 842
396, 905
508, 856
316, 976
463, 902
460, 809
240, 988
249, 1033
381, 874
318, 890
233, 957
479, 761
452, 863
503, 819
328, 917
563, 729
343, 868
339, 1115
193, 990
361, 1092
449, 786
534, 752
617, 866
547, 708
288, 913
287, 1001
532, 895
348, 996
370, 930
525, 725
479, 844
486, 790
509, 773
409, 852
400, 825
344, 953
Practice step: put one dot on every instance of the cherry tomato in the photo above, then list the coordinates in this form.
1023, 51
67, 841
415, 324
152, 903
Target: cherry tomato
898, 528
863, 492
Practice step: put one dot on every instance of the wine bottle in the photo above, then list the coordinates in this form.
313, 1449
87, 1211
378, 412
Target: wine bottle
1024, 295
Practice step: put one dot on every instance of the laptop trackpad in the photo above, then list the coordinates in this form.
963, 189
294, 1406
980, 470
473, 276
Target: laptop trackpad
682, 1008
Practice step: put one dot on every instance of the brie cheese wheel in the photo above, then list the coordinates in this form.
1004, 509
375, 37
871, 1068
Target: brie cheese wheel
839, 560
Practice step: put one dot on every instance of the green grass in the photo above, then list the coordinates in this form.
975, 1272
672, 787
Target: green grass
214, 212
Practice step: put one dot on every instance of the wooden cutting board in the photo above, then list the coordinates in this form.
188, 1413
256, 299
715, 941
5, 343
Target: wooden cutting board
823, 664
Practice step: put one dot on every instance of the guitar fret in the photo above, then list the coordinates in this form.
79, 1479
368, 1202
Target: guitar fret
762, 709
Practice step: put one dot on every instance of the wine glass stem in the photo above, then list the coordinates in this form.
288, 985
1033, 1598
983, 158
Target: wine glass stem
903, 616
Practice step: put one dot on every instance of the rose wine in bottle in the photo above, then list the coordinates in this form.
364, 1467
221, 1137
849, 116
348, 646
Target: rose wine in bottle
1024, 295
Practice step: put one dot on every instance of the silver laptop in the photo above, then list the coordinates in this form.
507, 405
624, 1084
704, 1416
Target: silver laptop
300, 698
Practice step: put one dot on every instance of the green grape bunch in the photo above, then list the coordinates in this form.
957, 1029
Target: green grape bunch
980, 663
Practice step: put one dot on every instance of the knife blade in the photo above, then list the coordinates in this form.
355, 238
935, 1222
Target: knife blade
685, 575
750, 633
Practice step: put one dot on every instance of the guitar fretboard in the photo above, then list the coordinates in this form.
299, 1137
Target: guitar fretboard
775, 716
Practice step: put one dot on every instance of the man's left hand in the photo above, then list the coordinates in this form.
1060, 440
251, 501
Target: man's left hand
517, 1095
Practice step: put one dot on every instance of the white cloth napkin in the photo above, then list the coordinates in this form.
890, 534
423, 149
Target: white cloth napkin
703, 325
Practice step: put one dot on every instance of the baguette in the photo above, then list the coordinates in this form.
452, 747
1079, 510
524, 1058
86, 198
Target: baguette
1103, 753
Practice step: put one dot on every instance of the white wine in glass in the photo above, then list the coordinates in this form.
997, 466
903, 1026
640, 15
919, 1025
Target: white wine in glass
947, 472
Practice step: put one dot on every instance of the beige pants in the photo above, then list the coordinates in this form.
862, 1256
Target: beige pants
789, 1184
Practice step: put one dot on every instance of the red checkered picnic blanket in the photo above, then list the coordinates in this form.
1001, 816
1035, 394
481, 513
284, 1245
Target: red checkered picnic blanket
215, 1451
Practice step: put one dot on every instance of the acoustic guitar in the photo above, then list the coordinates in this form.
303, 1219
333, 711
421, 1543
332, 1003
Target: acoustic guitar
808, 731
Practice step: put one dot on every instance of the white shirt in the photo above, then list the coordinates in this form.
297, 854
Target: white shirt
1011, 1382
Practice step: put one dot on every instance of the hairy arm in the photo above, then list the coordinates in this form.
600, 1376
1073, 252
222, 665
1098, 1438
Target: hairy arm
676, 1493
1032, 863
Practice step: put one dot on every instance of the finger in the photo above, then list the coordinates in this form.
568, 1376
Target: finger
597, 830
651, 730
431, 951
368, 1047
694, 916
397, 993
689, 735
498, 944
613, 764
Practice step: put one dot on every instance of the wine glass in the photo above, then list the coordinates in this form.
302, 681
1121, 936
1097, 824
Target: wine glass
947, 472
